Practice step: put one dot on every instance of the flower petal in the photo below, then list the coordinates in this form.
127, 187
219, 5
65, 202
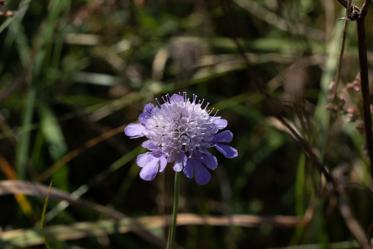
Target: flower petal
207, 159
162, 163
178, 166
150, 171
220, 123
195, 168
144, 159
176, 98
180, 163
226, 150
189, 167
210, 161
147, 112
134, 130
223, 137
148, 108
150, 145
150, 165
202, 175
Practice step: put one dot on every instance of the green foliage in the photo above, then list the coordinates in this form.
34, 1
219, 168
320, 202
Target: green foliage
72, 72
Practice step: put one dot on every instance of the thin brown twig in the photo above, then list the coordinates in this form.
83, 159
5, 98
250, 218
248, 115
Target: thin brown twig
353, 9
76, 152
364, 9
353, 224
29, 237
38, 190
364, 78
344, 208
359, 15
339, 68
260, 12
309, 151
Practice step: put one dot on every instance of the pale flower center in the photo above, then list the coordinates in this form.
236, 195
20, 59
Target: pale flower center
182, 126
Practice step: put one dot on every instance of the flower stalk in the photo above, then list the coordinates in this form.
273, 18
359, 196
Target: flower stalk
175, 206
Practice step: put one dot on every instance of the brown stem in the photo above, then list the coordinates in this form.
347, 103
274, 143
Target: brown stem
340, 58
354, 11
365, 84
353, 225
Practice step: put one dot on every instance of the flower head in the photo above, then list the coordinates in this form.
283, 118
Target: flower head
180, 131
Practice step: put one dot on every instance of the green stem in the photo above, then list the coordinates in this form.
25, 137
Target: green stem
175, 205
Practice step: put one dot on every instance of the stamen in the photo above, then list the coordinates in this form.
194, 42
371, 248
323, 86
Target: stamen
211, 110
207, 105
194, 98
156, 100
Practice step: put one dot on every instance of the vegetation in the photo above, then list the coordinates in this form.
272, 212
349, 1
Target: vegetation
285, 74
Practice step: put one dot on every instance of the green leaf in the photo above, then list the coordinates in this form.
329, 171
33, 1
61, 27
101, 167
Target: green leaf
53, 135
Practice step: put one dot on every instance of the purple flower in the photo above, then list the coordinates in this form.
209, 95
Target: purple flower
181, 131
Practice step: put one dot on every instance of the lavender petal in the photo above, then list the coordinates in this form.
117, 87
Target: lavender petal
134, 130
207, 159
220, 123
223, 137
202, 175
226, 150
148, 108
150, 171
147, 113
150, 145
178, 166
210, 161
145, 159
176, 98
162, 163
180, 163
189, 167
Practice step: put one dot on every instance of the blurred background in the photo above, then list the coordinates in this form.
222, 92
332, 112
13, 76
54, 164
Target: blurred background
74, 73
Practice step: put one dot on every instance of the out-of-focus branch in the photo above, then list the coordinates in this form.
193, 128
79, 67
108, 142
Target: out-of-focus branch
340, 59
271, 18
343, 2
32, 237
359, 15
352, 224
338, 191
309, 151
354, 10
38, 190
364, 9
364, 78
